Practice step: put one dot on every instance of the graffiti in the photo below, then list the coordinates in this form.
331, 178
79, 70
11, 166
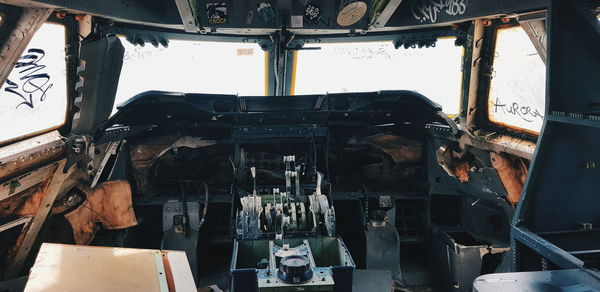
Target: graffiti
428, 10
31, 81
527, 113
363, 53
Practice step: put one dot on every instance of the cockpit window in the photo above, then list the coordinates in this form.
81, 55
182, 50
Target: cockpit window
435, 72
517, 89
34, 96
193, 67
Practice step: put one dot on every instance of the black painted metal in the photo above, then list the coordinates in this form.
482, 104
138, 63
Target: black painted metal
243, 14
556, 222
430, 12
103, 60
151, 12
167, 109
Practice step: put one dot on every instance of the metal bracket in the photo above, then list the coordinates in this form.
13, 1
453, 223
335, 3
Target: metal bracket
536, 31
110, 151
386, 14
187, 15
79, 149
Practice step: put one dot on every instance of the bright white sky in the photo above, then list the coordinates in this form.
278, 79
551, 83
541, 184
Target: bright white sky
192, 67
517, 93
360, 67
36, 104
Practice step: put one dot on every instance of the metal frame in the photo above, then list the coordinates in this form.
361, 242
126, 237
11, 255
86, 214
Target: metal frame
536, 31
37, 17
387, 13
480, 119
187, 15
568, 23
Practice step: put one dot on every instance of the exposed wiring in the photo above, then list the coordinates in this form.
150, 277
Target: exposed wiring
184, 209
205, 205
234, 174
104, 218
314, 154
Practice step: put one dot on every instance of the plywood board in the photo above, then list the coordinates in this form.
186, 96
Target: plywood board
181, 273
67, 268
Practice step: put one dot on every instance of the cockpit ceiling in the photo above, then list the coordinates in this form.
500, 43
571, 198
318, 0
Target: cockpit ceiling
301, 17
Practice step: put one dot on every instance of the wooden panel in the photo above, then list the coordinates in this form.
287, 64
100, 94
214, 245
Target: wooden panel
67, 268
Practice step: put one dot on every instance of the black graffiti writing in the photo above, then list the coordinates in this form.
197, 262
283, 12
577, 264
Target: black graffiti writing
527, 113
12, 88
31, 81
379, 52
428, 10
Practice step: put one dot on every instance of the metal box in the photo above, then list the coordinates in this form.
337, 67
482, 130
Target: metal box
254, 264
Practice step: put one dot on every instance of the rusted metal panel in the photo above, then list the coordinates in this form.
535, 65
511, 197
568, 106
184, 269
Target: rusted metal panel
143, 156
20, 156
25, 181
500, 143
51, 190
461, 171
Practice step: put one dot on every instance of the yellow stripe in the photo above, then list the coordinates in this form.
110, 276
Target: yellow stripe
460, 89
266, 73
293, 83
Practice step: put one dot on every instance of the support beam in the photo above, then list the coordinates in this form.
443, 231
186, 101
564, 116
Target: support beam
187, 15
30, 21
386, 14
474, 80
536, 31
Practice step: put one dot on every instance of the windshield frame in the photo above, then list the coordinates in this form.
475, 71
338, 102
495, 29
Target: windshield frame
72, 39
489, 48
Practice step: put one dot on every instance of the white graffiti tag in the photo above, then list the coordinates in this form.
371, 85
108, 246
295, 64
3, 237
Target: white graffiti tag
428, 10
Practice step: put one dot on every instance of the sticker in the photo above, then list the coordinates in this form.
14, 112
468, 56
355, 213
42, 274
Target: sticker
297, 21
352, 13
266, 12
312, 13
217, 13
245, 52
